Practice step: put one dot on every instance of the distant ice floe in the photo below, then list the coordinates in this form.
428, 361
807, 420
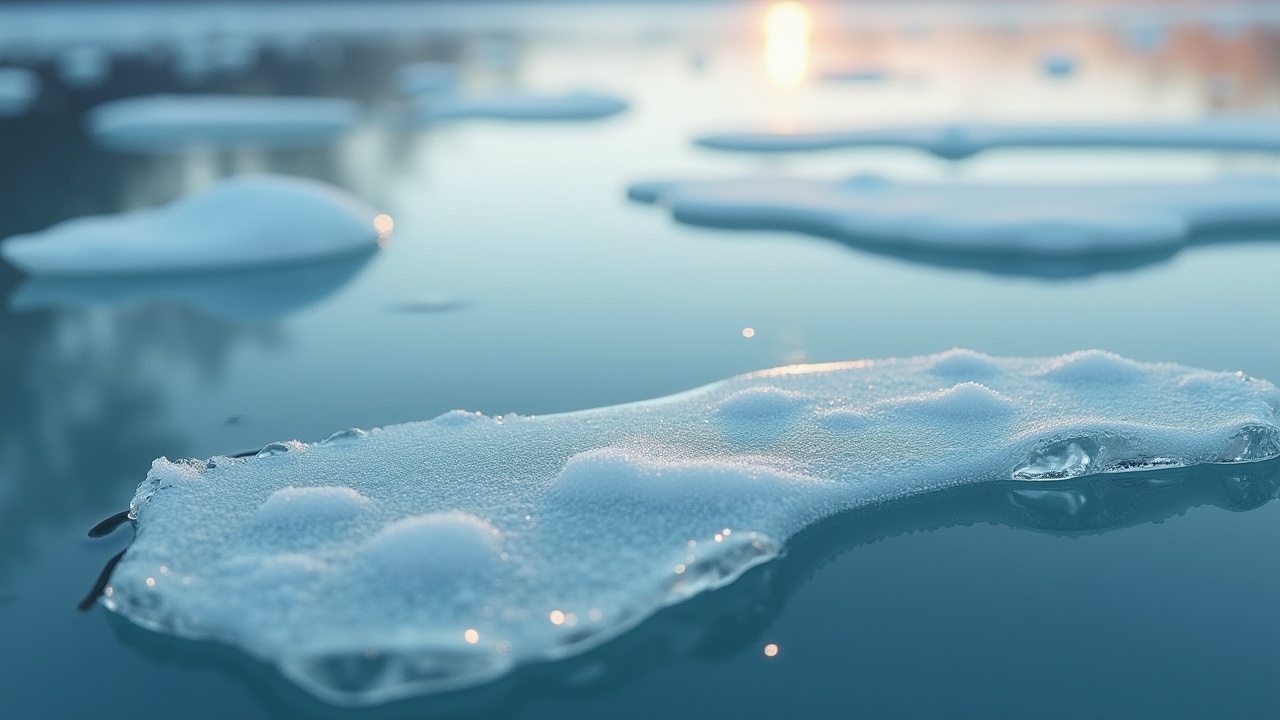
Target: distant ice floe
518, 105
242, 296
1029, 220
1059, 64
165, 123
84, 66
19, 88
427, 78
960, 141
241, 222
431, 556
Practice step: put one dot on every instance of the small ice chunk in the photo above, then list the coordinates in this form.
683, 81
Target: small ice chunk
84, 66
958, 141
241, 222
445, 553
1032, 220
860, 74
167, 123
426, 78
19, 88
519, 105
1058, 64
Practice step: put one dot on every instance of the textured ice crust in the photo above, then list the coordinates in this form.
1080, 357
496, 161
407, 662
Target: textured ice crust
436, 555
165, 123
967, 217
958, 141
241, 222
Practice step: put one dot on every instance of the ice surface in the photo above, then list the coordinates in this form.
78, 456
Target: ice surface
241, 222
959, 141
435, 555
519, 105
165, 123
1033, 220
18, 90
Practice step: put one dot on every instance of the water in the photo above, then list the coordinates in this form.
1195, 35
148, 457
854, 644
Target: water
545, 290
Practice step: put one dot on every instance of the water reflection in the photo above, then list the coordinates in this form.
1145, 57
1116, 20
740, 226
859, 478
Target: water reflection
237, 296
719, 625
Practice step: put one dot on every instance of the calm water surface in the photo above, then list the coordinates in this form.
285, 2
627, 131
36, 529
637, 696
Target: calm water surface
521, 279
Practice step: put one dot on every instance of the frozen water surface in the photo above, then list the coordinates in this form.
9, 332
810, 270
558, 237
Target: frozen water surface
957, 141
1036, 220
434, 555
165, 123
240, 222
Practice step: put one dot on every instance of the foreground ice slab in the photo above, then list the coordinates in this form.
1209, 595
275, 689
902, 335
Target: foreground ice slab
959, 141
165, 123
18, 90
1048, 221
436, 555
241, 222
515, 105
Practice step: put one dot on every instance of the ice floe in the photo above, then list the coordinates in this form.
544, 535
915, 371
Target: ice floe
241, 222
443, 554
426, 78
1027, 220
958, 141
19, 88
165, 123
518, 105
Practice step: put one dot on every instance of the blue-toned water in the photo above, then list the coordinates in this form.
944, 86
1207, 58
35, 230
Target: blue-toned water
521, 279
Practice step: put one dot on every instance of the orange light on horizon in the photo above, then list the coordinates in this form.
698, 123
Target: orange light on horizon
786, 42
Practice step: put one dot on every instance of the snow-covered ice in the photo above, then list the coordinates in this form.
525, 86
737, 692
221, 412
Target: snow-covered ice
19, 88
435, 555
958, 141
165, 123
519, 105
1048, 220
240, 222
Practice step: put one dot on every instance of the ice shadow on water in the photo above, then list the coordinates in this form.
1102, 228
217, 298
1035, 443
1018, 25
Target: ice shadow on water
238, 296
1000, 263
725, 622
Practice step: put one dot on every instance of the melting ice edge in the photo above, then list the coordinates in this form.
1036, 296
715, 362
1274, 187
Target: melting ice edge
431, 556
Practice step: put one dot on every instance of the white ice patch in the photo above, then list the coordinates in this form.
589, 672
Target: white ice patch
167, 123
19, 88
241, 222
518, 105
441, 554
958, 141
1032, 220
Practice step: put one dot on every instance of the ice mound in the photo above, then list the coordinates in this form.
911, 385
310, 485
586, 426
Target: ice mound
435, 555
1045, 221
518, 105
241, 222
955, 142
165, 123
18, 90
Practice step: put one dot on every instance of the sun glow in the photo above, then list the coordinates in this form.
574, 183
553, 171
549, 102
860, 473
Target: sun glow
786, 42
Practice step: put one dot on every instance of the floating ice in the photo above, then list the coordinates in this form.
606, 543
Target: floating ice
863, 74
240, 222
84, 66
517, 105
960, 141
1058, 64
442, 554
426, 77
18, 90
1046, 221
165, 123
